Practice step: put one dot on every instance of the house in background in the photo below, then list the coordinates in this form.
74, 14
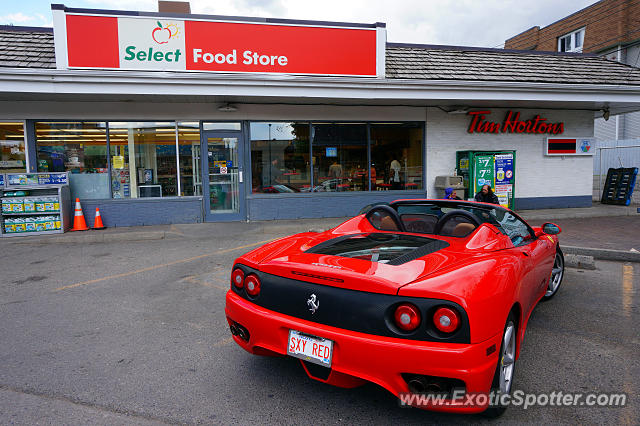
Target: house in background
608, 28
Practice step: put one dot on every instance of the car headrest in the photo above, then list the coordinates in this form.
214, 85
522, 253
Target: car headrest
463, 229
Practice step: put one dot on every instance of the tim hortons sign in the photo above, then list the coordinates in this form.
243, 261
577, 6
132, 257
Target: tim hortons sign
98, 41
512, 124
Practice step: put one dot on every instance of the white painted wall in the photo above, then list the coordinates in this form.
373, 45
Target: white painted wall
536, 174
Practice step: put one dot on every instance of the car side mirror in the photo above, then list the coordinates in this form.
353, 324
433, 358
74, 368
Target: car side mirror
551, 228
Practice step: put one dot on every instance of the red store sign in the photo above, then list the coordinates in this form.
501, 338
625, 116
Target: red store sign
167, 44
512, 124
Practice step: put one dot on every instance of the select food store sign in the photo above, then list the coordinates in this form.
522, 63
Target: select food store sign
157, 44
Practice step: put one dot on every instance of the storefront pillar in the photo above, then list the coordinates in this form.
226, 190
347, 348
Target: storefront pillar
30, 148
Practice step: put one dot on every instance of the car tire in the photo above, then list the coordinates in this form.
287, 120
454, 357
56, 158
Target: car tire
505, 368
557, 274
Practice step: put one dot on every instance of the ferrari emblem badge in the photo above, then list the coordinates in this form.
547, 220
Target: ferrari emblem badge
313, 304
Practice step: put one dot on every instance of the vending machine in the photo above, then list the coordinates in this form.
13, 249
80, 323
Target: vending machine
495, 168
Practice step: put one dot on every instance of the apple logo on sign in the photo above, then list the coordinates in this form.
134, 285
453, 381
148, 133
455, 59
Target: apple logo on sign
162, 34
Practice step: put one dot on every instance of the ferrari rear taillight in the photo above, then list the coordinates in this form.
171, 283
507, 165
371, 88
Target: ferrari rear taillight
237, 277
446, 320
252, 285
407, 317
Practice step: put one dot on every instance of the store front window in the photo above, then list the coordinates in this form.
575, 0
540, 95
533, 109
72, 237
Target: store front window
396, 156
163, 159
280, 157
189, 146
79, 148
12, 156
339, 161
143, 159
339, 157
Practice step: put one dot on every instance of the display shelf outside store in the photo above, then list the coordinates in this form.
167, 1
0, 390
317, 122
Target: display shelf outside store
37, 185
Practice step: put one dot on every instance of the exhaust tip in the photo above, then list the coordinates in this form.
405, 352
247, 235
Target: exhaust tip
416, 386
419, 383
238, 330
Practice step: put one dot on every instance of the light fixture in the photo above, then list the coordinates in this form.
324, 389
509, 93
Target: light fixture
606, 113
458, 110
227, 108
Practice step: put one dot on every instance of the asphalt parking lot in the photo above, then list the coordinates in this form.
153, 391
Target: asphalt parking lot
135, 332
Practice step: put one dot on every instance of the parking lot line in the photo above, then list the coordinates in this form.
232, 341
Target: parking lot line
224, 342
193, 280
627, 289
163, 265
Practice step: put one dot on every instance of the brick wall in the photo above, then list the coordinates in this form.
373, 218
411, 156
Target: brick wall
144, 211
527, 40
607, 23
294, 206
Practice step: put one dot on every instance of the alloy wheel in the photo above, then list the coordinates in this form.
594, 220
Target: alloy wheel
507, 358
556, 275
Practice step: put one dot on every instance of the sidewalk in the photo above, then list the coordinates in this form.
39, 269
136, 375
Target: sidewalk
597, 210
601, 227
603, 231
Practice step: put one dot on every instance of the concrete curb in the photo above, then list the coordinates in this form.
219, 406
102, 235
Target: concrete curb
92, 237
603, 254
579, 261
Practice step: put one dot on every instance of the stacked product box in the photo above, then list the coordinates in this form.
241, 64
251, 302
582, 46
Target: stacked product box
12, 205
19, 202
31, 224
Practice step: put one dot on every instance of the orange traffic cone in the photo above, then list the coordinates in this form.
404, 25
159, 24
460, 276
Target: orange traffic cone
78, 218
97, 223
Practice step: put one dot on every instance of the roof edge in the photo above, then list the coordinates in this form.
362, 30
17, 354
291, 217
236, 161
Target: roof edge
18, 28
520, 33
216, 17
489, 49
72, 76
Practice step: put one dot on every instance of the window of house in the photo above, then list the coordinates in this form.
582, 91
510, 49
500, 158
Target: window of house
12, 155
571, 42
77, 147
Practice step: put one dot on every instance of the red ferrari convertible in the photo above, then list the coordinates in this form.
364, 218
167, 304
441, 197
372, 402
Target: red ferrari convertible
422, 297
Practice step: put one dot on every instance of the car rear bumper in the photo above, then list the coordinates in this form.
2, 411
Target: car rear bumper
377, 359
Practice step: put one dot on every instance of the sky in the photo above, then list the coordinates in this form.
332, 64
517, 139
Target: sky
486, 23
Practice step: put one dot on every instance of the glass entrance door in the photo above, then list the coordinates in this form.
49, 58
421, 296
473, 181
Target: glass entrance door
223, 177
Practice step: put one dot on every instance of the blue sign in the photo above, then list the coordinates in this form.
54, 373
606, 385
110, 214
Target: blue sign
34, 179
1, 181
52, 179
332, 151
504, 169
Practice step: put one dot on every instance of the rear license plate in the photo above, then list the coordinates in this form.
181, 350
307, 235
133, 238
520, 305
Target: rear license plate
310, 348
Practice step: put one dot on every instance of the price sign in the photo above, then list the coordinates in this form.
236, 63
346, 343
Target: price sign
484, 171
